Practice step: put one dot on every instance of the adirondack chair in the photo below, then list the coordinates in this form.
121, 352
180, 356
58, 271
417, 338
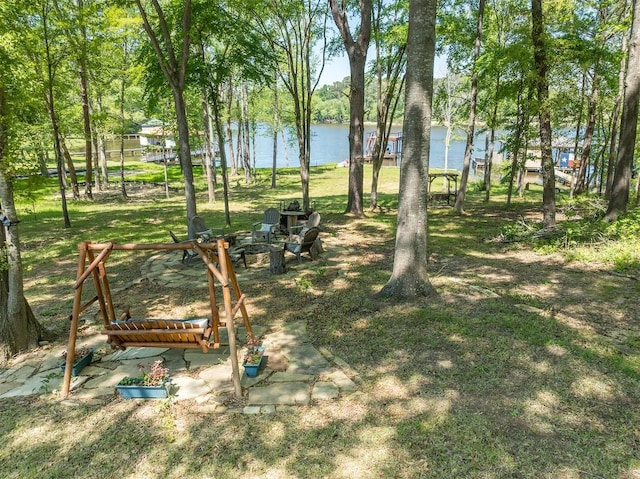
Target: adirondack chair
187, 254
304, 244
268, 227
199, 229
312, 222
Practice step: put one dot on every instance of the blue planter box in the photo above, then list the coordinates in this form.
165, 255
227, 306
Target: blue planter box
251, 370
144, 392
79, 364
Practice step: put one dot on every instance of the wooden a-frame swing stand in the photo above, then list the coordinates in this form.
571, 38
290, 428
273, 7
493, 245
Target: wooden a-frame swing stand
154, 332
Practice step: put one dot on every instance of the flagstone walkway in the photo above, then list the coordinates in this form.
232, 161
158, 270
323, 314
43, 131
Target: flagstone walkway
295, 373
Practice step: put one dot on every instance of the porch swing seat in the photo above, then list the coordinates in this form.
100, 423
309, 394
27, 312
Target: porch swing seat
160, 333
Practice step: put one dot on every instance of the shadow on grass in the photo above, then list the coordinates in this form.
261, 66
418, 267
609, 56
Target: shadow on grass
511, 370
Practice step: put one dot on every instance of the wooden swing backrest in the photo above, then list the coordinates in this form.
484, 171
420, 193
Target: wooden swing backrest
167, 333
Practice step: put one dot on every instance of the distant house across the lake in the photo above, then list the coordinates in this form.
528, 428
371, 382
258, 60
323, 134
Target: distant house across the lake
156, 133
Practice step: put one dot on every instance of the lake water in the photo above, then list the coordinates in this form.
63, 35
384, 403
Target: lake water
330, 144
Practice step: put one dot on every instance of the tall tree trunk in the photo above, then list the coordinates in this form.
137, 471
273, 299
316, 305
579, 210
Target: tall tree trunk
229, 144
86, 126
100, 154
376, 158
123, 87
59, 158
357, 53
620, 186
580, 185
517, 135
208, 157
229, 105
522, 166
19, 329
355, 200
42, 161
49, 100
102, 162
165, 171
464, 177
77, 36
73, 177
488, 163
174, 67
223, 158
544, 115
613, 150
276, 127
409, 277
387, 103
95, 157
246, 149
576, 137
184, 153
239, 136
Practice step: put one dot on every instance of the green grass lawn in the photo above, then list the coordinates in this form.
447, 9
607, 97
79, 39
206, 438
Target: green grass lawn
524, 363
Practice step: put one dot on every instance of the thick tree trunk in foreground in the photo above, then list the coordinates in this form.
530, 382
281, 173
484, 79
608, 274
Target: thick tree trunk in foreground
613, 146
544, 114
19, 330
619, 198
409, 278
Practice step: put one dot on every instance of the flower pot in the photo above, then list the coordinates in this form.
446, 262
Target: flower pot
251, 370
144, 392
79, 364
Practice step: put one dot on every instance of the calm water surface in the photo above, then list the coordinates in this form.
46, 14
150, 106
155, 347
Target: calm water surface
330, 144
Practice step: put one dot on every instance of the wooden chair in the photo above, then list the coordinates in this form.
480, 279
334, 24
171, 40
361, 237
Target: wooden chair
312, 222
268, 227
304, 245
187, 254
199, 229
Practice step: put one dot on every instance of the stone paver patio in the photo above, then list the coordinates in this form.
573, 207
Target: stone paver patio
295, 372
294, 375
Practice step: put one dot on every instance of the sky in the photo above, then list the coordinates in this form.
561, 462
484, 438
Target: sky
338, 68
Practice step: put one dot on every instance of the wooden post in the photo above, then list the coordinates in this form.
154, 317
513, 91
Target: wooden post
77, 300
239, 301
276, 260
215, 317
231, 331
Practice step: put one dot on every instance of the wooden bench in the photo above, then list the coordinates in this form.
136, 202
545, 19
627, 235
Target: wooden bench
160, 333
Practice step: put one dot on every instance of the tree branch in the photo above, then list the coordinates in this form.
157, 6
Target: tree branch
155, 43
186, 40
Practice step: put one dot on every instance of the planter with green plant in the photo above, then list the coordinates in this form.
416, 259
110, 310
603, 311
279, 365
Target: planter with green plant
253, 359
153, 383
82, 357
